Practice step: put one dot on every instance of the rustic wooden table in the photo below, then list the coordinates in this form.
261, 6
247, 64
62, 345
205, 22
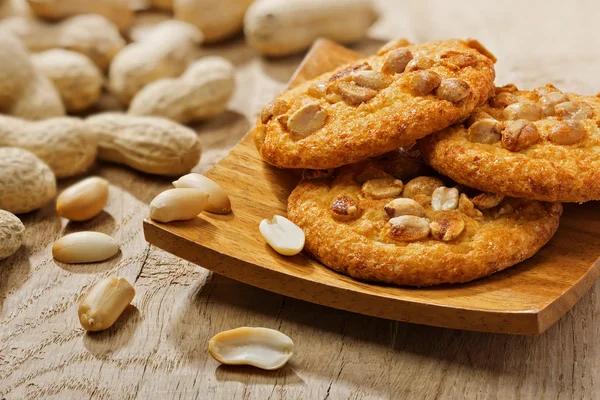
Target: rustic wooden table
158, 347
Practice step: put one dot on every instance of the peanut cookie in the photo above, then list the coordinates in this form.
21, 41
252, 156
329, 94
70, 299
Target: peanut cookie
365, 222
375, 105
540, 145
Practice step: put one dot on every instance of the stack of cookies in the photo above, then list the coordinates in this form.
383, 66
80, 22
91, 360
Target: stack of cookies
419, 171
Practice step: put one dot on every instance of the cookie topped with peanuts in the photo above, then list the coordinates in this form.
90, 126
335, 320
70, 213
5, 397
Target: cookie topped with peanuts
541, 144
375, 105
389, 220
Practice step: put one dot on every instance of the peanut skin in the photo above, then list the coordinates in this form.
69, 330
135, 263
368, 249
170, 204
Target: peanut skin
149, 144
200, 93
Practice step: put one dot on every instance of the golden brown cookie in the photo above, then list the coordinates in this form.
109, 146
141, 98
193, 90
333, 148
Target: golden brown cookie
366, 223
541, 145
375, 105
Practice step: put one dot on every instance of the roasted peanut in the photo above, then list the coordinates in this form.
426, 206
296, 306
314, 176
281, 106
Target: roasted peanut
317, 90
567, 132
573, 110
424, 185
444, 199
83, 200
178, 204
466, 206
485, 131
518, 135
550, 100
483, 201
274, 109
382, 188
84, 247
307, 120
403, 206
351, 93
523, 110
447, 226
282, 235
371, 79
396, 61
409, 228
418, 63
260, 347
345, 208
104, 303
424, 82
453, 90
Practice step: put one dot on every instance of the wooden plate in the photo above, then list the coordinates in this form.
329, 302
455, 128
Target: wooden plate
525, 299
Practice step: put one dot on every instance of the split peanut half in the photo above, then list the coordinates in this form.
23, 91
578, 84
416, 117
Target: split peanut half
218, 201
84, 247
283, 235
100, 308
260, 347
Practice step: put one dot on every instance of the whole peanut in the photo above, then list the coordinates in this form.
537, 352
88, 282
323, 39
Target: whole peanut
24, 92
164, 53
200, 93
89, 34
26, 183
12, 234
217, 19
149, 144
66, 144
78, 80
280, 27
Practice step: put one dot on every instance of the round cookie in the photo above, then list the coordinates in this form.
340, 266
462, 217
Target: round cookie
375, 105
365, 223
540, 145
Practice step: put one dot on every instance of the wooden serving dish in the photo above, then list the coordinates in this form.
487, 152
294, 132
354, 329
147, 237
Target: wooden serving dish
525, 299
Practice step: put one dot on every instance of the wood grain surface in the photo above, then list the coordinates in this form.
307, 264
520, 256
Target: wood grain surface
157, 350
503, 303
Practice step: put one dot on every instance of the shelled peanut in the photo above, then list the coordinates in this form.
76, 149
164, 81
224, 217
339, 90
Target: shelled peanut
24, 92
149, 144
89, 34
280, 27
83, 200
66, 144
200, 93
164, 53
104, 303
77, 79
84, 247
